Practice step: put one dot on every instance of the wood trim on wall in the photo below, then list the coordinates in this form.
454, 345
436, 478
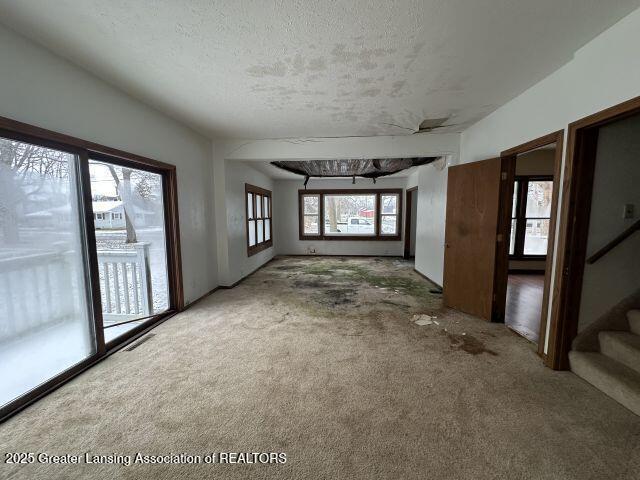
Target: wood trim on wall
574, 226
501, 271
510, 156
408, 202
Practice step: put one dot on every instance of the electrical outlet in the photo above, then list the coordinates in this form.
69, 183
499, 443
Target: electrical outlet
629, 211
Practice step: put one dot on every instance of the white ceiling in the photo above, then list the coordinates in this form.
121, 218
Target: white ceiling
300, 68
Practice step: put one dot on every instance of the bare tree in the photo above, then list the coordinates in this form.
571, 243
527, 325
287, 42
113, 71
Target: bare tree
123, 189
25, 170
332, 211
134, 186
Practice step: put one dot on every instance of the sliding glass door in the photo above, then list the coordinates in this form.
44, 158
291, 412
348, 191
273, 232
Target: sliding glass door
89, 256
46, 321
128, 216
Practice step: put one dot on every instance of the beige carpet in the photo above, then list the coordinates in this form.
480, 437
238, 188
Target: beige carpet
319, 359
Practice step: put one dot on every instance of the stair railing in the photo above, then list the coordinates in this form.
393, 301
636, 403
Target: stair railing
614, 243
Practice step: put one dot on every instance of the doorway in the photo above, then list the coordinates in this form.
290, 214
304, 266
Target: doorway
410, 223
574, 227
528, 203
528, 240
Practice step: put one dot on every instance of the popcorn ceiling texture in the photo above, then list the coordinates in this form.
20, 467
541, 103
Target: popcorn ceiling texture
295, 68
320, 358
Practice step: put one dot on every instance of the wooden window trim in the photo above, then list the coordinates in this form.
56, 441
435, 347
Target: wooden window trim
378, 236
521, 217
254, 190
84, 150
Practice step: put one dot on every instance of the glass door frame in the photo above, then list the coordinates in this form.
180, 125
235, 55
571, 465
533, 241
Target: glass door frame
84, 151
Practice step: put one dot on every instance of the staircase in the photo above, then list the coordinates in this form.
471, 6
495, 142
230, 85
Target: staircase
615, 370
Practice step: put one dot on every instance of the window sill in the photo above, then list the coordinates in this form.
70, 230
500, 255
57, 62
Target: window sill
351, 238
259, 248
528, 258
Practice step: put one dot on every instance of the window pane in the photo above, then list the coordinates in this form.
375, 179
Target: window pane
45, 327
265, 206
267, 229
258, 206
389, 203
252, 233
249, 205
311, 203
349, 214
389, 224
539, 198
536, 235
514, 208
132, 256
260, 231
311, 225
512, 237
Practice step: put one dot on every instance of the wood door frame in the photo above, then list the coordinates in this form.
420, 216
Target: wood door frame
407, 220
574, 227
509, 158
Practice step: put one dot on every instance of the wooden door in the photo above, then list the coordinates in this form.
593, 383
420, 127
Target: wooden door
473, 200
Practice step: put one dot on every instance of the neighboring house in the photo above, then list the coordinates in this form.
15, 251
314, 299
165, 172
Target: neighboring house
110, 214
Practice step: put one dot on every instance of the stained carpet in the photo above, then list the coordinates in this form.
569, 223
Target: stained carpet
320, 358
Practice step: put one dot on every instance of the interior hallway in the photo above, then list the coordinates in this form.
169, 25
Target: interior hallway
319, 358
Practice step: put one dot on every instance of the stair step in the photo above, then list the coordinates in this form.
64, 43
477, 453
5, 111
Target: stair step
612, 378
623, 347
634, 321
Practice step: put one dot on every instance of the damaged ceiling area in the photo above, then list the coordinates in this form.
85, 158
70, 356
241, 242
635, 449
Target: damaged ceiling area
367, 168
330, 68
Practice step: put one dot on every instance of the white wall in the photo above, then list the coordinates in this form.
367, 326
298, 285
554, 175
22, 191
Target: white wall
40, 88
240, 264
229, 180
425, 144
413, 223
617, 275
432, 206
285, 219
604, 72
430, 228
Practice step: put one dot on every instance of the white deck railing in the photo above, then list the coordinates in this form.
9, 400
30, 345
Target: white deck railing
35, 292
35, 289
125, 283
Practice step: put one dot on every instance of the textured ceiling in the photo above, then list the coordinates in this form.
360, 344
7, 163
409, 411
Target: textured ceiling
300, 68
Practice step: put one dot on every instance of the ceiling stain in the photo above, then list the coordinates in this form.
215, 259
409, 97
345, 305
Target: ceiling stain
248, 68
397, 88
278, 69
371, 92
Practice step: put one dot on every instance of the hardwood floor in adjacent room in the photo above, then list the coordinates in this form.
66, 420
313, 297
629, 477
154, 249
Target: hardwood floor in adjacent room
524, 303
